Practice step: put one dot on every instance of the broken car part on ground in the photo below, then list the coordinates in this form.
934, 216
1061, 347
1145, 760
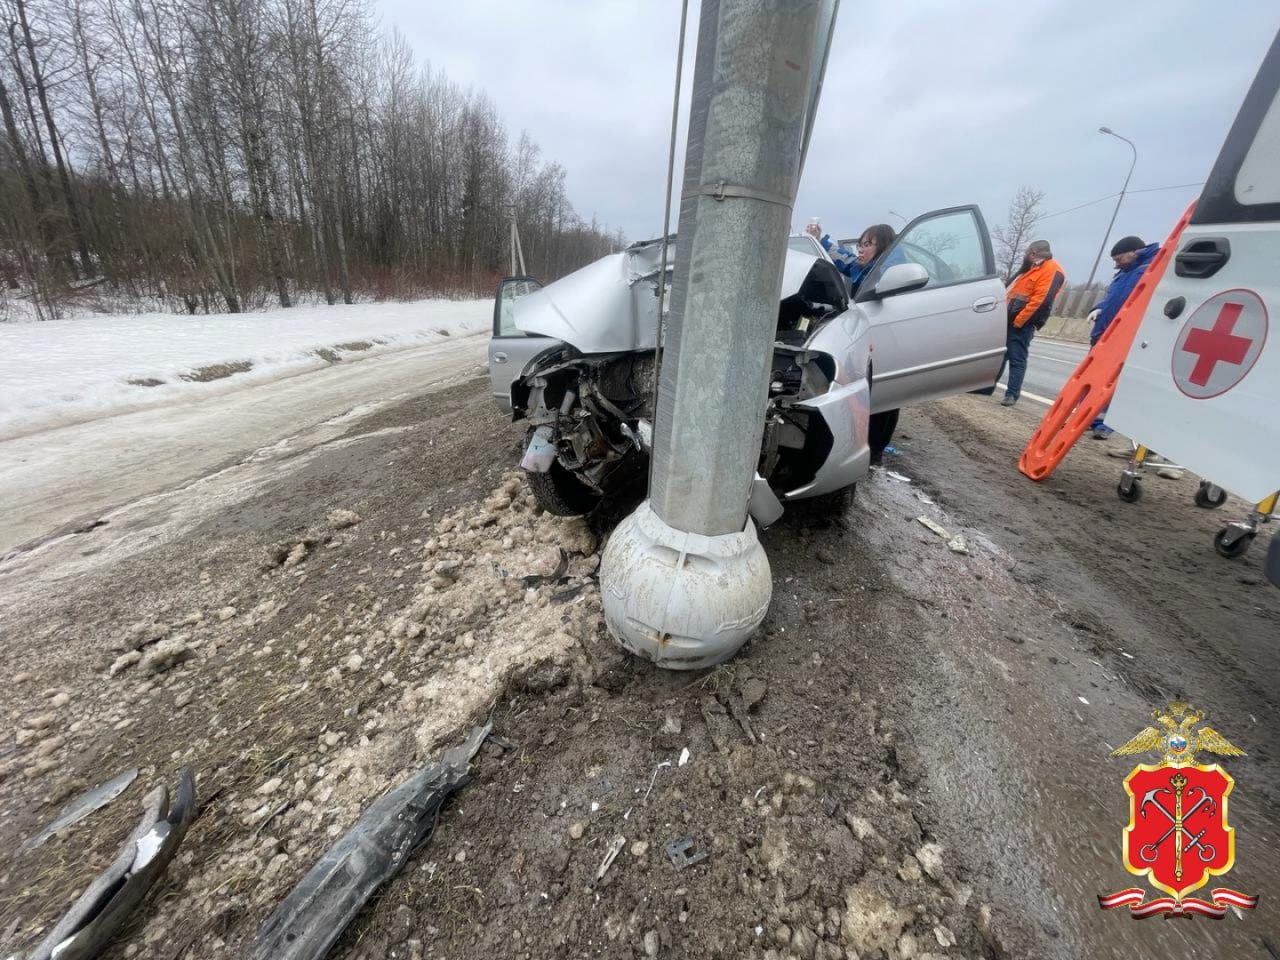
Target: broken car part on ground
313, 916
86, 929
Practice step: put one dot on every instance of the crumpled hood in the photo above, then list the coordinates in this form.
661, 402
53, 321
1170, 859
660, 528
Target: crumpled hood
611, 305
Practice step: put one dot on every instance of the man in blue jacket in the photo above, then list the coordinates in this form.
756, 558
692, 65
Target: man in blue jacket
1132, 257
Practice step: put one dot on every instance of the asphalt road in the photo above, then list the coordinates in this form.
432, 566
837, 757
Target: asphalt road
1052, 361
55, 480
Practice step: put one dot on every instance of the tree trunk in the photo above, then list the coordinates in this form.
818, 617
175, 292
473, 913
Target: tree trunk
19, 151
77, 230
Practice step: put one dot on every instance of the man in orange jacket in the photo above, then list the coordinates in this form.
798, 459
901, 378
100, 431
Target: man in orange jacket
1030, 297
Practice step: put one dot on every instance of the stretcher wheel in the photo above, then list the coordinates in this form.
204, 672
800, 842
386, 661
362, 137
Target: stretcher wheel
1231, 549
1129, 490
1206, 499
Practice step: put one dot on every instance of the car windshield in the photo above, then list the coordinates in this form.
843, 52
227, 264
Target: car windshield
803, 244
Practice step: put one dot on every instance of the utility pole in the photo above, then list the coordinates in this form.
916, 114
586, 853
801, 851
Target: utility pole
1107, 236
684, 578
517, 252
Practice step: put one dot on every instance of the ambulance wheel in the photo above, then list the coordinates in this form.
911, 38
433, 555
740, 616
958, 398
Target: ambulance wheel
1232, 548
1207, 500
1129, 490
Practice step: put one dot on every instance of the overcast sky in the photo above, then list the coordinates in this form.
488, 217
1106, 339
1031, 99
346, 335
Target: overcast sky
927, 103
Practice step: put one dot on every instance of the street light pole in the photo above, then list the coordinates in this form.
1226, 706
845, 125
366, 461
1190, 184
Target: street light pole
1107, 236
895, 213
684, 579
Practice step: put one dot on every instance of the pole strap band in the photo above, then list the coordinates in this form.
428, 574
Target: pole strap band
721, 190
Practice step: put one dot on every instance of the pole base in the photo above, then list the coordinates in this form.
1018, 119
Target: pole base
683, 600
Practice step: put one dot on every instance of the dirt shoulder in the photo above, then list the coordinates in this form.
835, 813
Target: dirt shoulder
1093, 612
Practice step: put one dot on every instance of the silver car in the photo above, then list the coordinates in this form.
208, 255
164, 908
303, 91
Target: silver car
575, 360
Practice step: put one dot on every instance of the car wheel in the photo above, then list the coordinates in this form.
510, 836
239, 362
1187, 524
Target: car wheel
834, 505
560, 493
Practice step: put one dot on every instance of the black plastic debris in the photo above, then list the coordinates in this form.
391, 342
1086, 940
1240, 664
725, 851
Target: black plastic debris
82, 806
1271, 565
96, 917
311, 918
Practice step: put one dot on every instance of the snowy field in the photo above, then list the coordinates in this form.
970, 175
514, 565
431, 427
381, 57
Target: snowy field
68, 371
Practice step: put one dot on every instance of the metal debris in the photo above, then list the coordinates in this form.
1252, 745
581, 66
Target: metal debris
936, 527
565, 594
97, 916
271, 816
310, 919
610, 854
537, 579
654, 779
83, 805
678, 852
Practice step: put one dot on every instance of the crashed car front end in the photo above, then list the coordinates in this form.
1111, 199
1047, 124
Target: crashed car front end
589, 397
594, 414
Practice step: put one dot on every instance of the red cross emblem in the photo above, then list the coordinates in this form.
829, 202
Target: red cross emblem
1219, 344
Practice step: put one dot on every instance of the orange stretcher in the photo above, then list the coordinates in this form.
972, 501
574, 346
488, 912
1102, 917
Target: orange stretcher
1091, 387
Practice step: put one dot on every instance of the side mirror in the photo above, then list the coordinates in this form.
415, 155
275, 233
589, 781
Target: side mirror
510, 289
900, 278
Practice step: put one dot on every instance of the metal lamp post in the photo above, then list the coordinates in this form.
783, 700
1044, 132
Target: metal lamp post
685, 581
1107, 236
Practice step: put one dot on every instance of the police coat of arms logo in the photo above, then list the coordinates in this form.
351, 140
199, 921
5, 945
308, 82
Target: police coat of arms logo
1178, 836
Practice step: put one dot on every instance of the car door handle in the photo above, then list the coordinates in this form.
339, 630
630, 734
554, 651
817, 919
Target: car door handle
984, 305
499, 358
1202, 257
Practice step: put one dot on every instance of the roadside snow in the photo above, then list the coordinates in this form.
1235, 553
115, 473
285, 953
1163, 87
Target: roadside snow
67, 371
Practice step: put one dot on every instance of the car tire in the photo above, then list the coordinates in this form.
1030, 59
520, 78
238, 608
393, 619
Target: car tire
837, 503
562, 494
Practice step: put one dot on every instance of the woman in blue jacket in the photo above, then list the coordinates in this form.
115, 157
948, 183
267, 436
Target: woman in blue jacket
857, 266
1132, 257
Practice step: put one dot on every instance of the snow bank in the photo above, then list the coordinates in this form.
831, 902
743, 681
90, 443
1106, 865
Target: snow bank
67, 371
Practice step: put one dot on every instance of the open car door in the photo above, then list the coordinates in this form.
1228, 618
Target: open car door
935, 304
511, 349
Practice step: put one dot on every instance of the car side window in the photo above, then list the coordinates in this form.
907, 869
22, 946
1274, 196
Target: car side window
509, 292
949, 246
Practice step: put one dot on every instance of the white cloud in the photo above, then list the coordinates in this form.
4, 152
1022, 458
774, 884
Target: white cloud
926, 104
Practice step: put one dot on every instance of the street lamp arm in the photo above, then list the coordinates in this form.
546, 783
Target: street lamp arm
1114, 213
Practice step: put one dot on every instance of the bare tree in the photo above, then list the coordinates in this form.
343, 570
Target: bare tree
1012, 238
220, 154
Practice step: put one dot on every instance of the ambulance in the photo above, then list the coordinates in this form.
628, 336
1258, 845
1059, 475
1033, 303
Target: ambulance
1201, 383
